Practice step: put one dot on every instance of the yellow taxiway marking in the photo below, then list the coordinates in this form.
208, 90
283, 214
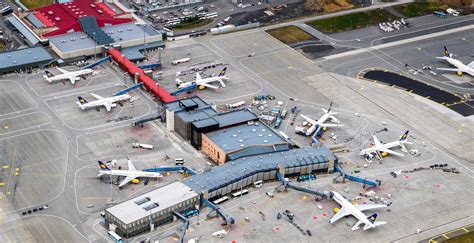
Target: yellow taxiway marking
445, 236
465, 230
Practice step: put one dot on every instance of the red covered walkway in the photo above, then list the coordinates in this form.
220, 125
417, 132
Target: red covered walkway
148, 82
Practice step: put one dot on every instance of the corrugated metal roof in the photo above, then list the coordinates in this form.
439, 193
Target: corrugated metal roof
256, 150
72, 42
235, 170
23, 30
22, 57
34, 21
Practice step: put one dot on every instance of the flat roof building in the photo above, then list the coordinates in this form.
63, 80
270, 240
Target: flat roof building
240, 141
149, 210
126, 35
193, 116
23, 59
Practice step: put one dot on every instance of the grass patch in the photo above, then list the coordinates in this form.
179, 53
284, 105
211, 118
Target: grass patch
2, 45
289, 34
351, 21
32, 4
468, 237
419, 8
192, 24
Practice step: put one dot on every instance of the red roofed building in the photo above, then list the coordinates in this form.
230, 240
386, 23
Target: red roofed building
63, 18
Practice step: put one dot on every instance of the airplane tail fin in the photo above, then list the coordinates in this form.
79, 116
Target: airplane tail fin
372, 218
330, 106
48, 74
446, 52
103, 166
404, 136
81, 100
222, 73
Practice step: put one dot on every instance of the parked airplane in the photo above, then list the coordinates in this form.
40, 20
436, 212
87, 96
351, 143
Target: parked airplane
204, 83
313, 124
71, 76
219, 234
348, 208
460, 67
130, 174
108, 102
379, 147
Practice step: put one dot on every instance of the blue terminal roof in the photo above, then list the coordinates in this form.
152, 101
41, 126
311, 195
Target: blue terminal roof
235, 117
234, 171
242, 136
134, 53
24, 57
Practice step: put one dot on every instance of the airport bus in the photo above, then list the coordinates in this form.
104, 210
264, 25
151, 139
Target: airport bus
306, 178
258, 184
116, 238
179, 61
240, 193
7, 10
440, 14
221, 200
283, 114
191, 213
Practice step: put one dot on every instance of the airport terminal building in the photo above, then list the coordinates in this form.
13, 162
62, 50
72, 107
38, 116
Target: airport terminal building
148, 211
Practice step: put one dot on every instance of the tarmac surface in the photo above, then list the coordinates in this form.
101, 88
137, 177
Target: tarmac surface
56, 146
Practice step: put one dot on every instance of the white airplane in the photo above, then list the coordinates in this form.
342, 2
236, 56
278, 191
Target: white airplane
328, 115
348, 208
71, 76
379, 147
108, 102
204, 83
219, 234
460, 67
130, 174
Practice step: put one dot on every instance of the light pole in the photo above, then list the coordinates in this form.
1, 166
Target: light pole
95, 52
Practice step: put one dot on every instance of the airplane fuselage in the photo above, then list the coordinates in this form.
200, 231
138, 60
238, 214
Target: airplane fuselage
459, 65
103, 101
354, 211
69, 75
374, 149
200, 82
130, 173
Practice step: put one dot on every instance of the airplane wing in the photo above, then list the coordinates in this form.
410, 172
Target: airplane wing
72, 79
127, 180
471, 64
449, 69
363, 207
131, 166
341, 214
309, 119
390, 152
97, 96
333, 118
108, 106
377, 141
62, 70
222, 82
209, 86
